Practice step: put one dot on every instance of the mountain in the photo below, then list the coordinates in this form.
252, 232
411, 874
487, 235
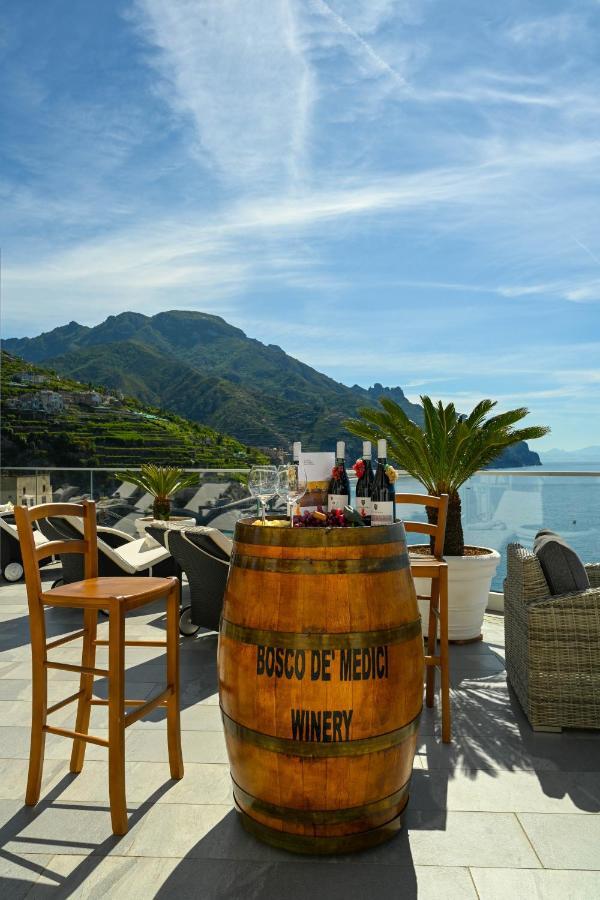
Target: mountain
201, 367
583, 455
49, 420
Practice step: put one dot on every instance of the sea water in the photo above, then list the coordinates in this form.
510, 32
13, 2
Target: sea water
499, 509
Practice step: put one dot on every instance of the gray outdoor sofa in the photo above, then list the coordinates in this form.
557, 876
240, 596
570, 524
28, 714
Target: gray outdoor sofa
552, 645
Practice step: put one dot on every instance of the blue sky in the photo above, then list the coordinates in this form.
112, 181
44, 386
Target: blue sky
402, 191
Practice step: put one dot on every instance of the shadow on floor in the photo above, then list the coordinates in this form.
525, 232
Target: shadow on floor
491, 735
197, 657
228, 863
11, 831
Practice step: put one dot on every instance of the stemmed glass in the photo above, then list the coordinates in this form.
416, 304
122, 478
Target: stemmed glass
263, 484
292, 485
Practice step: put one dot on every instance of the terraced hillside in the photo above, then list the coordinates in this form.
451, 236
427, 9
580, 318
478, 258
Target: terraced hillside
56, 421
199, 366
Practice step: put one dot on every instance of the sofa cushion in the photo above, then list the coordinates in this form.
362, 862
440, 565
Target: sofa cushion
562, 568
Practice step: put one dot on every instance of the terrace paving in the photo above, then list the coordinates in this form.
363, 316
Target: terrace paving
502, 812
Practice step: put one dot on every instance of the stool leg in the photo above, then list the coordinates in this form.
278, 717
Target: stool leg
173, 724
39, 677
444, 661
84, 704
432, 640
116, 718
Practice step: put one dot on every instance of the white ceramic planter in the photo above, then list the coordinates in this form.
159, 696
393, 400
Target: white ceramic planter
469, 581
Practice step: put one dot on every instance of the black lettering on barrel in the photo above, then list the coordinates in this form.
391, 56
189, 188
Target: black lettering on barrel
288, 667
260, 660
345, 661
315, 725
347, 717
366, 663
269, 661
321, 725
279, 662
300, 664
315, 665
337, 725
298, 721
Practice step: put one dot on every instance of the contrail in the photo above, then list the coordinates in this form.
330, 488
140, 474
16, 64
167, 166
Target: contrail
587, 250
379, 62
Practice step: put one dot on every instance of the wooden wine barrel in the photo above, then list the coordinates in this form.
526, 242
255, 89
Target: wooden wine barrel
321, 683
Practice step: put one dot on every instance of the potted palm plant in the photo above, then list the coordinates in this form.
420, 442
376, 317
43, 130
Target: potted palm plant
161, 482
442, 455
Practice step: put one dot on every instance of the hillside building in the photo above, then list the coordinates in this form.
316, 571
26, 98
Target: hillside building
40, 401
26, 490
30, 378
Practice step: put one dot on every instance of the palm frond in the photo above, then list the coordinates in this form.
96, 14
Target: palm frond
449, 448
161, 482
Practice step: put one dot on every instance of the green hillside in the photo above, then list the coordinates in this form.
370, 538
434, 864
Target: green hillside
200, 367
113, 432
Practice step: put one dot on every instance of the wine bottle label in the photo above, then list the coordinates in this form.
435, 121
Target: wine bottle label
382, 512
336, 501
363, 506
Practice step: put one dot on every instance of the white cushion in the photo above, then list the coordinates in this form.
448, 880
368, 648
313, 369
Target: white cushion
150, 543
133, 557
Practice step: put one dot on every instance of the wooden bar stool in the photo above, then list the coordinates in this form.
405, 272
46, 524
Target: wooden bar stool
118, 596
435, 568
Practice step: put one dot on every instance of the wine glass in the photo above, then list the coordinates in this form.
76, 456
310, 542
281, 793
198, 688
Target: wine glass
262, 484
292, 485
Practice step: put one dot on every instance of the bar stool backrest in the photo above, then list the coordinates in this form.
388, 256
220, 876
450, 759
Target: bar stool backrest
32, 555
437, 531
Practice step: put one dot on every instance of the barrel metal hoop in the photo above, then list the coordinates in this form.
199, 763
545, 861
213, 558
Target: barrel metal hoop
305, 843
313, 749
296, 640
320, 816
246, 533
365, 566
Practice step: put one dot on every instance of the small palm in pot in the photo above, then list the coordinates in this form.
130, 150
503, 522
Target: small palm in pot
447, 450
161, 482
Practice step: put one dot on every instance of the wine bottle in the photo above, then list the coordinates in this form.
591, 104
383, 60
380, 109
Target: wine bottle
338, 494
364, 485
383, 501
294, 509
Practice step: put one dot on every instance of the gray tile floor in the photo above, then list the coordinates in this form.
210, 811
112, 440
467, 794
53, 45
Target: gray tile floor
502, 812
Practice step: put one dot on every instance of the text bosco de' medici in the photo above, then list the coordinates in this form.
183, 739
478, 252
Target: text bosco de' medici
347, 664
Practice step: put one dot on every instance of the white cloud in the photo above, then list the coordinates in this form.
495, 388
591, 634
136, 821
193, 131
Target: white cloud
547, 29
239, 72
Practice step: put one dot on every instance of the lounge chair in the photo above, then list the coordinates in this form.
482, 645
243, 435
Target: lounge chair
203, 553
10, 549
118, 552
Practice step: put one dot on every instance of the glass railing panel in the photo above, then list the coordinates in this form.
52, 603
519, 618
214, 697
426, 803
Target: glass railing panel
498, 507
217, 499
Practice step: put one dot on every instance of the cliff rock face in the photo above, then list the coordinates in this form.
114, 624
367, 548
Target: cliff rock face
514, 457
199, 366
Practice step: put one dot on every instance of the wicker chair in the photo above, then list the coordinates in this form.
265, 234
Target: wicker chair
552, 645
